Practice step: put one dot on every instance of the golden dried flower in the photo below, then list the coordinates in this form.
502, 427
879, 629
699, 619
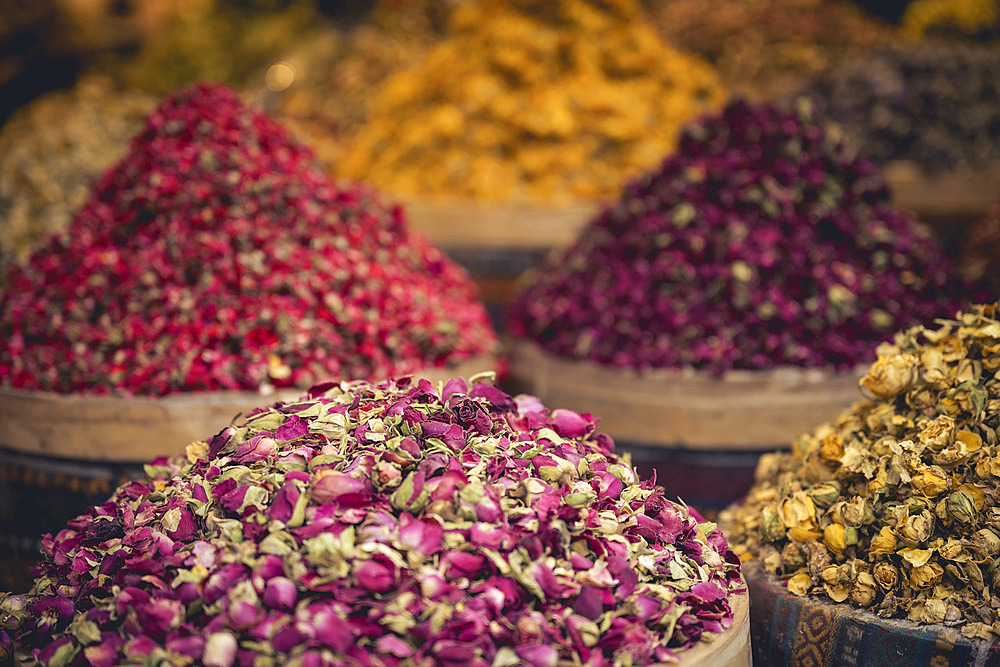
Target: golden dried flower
865, 590
824, 494
930, 481
916, 529
938, 433
800, 584
961, 507
925, 575
771, 526
883, 543
890, 376
834, 537
886, 574
832, 448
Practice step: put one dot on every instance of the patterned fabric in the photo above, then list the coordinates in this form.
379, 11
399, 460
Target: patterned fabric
788, 630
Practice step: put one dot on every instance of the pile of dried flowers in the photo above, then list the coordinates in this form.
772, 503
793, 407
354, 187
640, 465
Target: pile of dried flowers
936, 104
218, 255
755, 44
762, 242
531, 101
390, 524
895, 506
51, 153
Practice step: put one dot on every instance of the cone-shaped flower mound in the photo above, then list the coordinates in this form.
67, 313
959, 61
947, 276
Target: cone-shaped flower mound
391, 524
218, 255
531, 101
895, 506
761, 242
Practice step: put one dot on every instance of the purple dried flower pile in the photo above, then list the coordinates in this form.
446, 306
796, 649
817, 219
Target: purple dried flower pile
762, 242
218, 255
390, 524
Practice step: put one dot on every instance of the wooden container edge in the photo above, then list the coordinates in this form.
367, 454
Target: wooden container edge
109, 428
743, 410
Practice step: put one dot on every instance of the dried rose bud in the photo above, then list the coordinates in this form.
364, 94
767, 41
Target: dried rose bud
886, 574
926, 575
890, 376
938, 433
771, 526
800, 584
824, 494
916, 529
961, 507
865, 590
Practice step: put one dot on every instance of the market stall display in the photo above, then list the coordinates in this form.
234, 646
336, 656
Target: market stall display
380, 524
892, 507
763, 245
217, 261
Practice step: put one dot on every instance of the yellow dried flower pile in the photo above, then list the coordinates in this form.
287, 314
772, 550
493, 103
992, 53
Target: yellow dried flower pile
761, 46
529, 101
52, 151
896, 506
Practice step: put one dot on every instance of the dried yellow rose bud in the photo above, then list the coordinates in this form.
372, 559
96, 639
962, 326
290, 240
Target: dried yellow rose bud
986, 541
938, 433
886, 574
890, 376
832, 448
772, 528
800, 584
883, 543
916, 529
865, 590
834, 537
824, 494
961, 507
857, 512
798, 511
925, 575
930, 481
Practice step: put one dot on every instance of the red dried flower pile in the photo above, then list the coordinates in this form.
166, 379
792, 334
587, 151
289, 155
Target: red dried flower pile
764, 241
218, 255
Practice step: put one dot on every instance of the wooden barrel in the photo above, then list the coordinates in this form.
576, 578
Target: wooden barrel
60, 454
731, 648
702, 434
497, 242
949, 201
790, 630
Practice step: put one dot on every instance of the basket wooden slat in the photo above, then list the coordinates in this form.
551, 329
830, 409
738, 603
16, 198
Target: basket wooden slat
105, 428
497, 225
959, 194
730, 649
666, 408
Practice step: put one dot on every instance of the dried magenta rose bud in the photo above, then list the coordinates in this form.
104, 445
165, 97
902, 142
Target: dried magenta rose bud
389, 524
218, 255
762, 242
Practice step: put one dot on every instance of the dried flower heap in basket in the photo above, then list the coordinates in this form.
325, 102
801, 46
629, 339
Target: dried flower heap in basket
762, 242
390, 524
894, 506
218, 255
